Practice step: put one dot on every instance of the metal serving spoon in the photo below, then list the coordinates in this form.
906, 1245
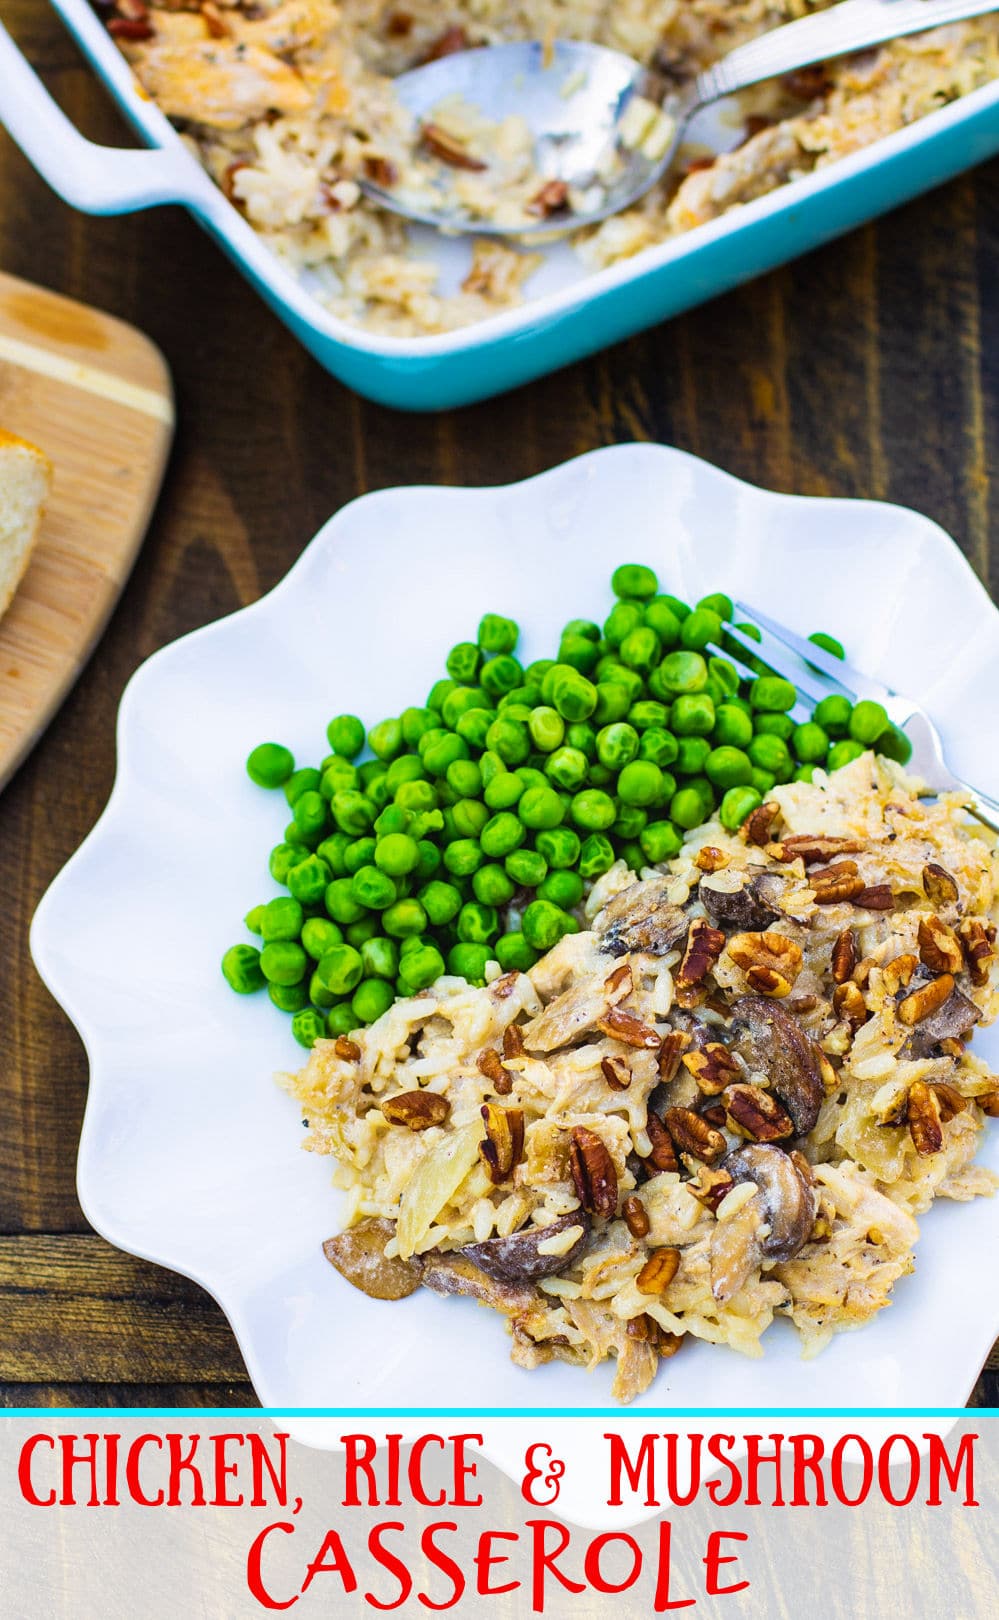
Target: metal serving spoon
575, 97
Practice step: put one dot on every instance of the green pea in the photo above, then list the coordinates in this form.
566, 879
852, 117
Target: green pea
679, 673
762, 781
358, 933
579, 651
373, 888
596, 856
700, 627
725, 674
541, 807
318, 993
568, 768
718, 603
810, 743
309, 812
307, 881
346, 735
648, 714
843, 753
463, 857
497, 635
714, 691
242, 970
583, 627
526, 867
380, 957
739, 802
332, 850
395, 818
289, 998
635, 581
729, 767
617, 745
692, 715
470, 816
405, 918
340, 1020
270, 764
804, 773
594, 810
620, 621
631, 854
543, 925
305, 780
537, 671
583, 738
371, 999
360, 852
377, 791
772, 692
501, 834
894, 744
573, 695
396, 853
293, 834
547, 729
438, 752
385, 739
733, 727
677, 607
775, 725
687, 808
491, 885
477, 924
658, 746
828, 644
318, 935
659, 841
640, 649
504, 790
415, 722
630, 821
254, 920
661, 618
469, 961
618, 674
283, 962
464, 700
441, 902
772, 754
833, 715
473, 726
281, 860
308, 1026
340, 776
561, 889
353, 813
513, 953
462, 662
281, 919
407, 768
510, 739
868, 721
640, 783
559, 845
371, 772
340, 902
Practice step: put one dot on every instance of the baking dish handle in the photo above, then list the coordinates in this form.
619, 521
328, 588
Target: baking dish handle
96, 179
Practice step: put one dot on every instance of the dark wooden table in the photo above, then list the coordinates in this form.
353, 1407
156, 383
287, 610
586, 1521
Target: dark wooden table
868, 369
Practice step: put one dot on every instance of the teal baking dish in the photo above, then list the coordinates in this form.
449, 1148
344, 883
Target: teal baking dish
573, 312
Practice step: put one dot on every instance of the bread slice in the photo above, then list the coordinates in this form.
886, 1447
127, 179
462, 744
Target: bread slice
25, 480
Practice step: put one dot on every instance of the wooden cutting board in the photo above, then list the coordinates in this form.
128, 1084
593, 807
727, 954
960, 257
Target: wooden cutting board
95, 395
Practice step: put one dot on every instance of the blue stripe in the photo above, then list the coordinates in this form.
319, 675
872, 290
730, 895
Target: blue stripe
251, 1413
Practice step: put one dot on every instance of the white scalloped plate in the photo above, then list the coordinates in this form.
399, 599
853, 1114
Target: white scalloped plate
190, 1153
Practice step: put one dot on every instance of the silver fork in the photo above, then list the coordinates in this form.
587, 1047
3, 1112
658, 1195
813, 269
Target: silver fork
819, 674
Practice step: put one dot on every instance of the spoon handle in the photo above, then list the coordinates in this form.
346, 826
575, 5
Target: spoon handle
851, 25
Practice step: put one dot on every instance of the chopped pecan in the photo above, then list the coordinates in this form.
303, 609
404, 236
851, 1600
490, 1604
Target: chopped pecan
771, 962
417, 1109
381, 170
616, 1072
979, 948
624, 1026
848, 1002
757, 1114
924, 1118
704, 946
710, 859
715, 1114
876, 897
989, 1103
802, 1166
803, 1004
399, 24
551, 199
658, 1271
713, 1067
939, 886
636, 1217
950, 1099
807, 83
504, 986
449, 149
513, 1041
939, 947
929, 998
212, 17
347, 1049
897, 974
663, 1154
619, 984
844, 956
674, 1044
593, 1173
488, 1063
812, 847
449, 43
758, 825
647, 1329
692, 1134
831, 884
504, 1143
710, 1186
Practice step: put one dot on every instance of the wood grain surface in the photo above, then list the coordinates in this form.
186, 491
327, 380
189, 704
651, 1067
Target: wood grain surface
870, 368
95, 395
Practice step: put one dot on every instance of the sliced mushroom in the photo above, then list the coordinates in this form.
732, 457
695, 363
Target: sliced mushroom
953, 1021
568, 1018
773, 1225
456, 1274
773, 1042
359, 1255
750, 907
518, 1259
641, 918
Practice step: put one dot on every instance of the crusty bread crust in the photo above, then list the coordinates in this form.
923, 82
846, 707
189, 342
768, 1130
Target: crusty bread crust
25, 482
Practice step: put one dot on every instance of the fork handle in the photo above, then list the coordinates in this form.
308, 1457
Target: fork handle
852, 25
981, 806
